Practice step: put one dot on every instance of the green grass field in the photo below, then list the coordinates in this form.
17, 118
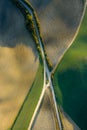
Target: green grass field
25, 114
70, 79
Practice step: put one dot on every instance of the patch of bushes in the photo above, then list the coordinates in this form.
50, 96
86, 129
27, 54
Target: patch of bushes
37, 21
31, 28
46, 56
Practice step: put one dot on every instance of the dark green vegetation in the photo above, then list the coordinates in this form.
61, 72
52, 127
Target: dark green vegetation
70, 79
25, 114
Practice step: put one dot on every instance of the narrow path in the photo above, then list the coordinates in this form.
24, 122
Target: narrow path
46, 72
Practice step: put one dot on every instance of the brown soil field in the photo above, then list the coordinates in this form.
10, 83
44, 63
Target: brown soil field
59, 20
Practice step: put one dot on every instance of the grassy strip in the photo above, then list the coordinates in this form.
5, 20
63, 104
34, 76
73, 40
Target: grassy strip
57, 90
25, 114
60, 115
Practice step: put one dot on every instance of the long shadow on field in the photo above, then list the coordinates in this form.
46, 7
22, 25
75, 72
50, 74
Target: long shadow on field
12, 26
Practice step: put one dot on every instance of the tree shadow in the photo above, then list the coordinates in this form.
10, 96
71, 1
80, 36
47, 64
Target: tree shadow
12, 27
